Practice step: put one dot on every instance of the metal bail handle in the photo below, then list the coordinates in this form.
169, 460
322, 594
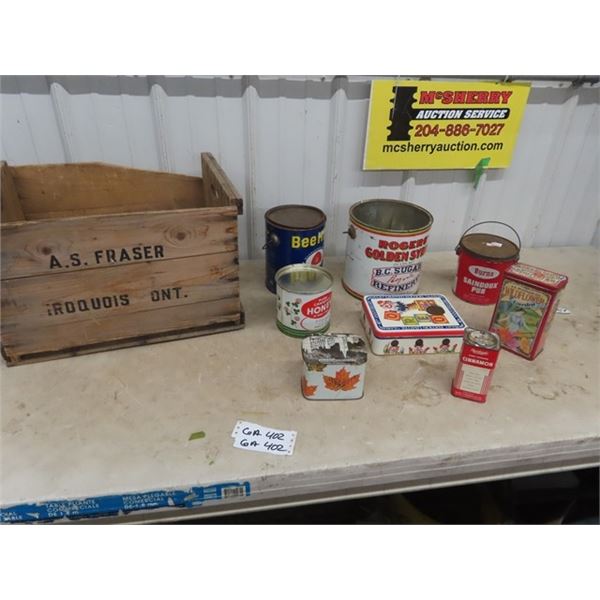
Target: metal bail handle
351, 231
273, 240
483, 223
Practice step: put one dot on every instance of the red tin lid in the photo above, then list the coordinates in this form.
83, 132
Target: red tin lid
538, 276
410, 316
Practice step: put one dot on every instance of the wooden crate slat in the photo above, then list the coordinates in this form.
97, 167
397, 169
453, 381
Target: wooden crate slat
9, 199
218, 189
75, 297
66, 245
76, 189
111, 331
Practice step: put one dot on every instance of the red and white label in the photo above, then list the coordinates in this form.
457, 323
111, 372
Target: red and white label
483, 272
315, 258
474, 373
304, 312
379, 263
317, 307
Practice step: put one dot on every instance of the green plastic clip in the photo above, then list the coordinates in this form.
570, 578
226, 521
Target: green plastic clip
480, 167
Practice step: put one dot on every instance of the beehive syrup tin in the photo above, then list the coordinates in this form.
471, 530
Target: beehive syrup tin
334, 366
294, 234
412, 324
525, 309
482, 260
303, 299
386, 243
476, 365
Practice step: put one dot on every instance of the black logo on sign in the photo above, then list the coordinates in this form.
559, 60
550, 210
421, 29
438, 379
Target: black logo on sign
402, 112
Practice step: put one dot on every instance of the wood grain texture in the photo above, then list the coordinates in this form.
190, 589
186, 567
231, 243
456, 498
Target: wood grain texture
122, 331
32, 302
110, 256
50, 191
218, 189
9, 198
28, 247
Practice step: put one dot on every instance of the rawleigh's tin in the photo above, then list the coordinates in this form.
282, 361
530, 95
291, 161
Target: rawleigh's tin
386, 243
482, 259
476, 365
294, 234
334, 366
303, 299
525, 309
408, 324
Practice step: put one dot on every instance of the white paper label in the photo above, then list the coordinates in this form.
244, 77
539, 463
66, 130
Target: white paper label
251, 436
472, 379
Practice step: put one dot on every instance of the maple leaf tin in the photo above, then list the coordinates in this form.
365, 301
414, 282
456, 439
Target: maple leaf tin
525, 308
334, 366
412, 324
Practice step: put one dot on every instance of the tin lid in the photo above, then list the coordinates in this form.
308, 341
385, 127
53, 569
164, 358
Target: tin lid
404, 315
295, 216
482, 338
334, 349
542, 277
489, 246
303, 279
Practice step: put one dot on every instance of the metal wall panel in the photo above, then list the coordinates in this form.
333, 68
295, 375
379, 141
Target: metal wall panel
301, 139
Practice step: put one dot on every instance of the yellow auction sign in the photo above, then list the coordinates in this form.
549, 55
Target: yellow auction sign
442, 125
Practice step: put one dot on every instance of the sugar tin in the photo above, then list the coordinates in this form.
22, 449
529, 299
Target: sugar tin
525, 309
386, 243
412, 324
476, 365
334, 366
303, 299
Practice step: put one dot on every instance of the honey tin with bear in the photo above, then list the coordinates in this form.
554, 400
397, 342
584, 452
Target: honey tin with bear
412, 324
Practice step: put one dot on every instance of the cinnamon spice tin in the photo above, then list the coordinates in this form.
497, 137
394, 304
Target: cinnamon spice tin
476, 365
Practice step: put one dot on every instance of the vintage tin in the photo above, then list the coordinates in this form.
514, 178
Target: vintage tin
334, 367
476, 365
303, 299
525, 309
412, 324
482, 260
386, 243
294, 234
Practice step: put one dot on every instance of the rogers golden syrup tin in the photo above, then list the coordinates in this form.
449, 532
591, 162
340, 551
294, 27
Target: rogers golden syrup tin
303, 299
476, 365
334, 366
386, 243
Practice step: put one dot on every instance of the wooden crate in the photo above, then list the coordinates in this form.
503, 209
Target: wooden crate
96, 257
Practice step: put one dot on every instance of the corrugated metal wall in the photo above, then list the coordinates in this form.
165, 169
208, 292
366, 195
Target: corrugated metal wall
301, 139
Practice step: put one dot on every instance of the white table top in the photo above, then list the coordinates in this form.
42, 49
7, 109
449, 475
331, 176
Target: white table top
118, 422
